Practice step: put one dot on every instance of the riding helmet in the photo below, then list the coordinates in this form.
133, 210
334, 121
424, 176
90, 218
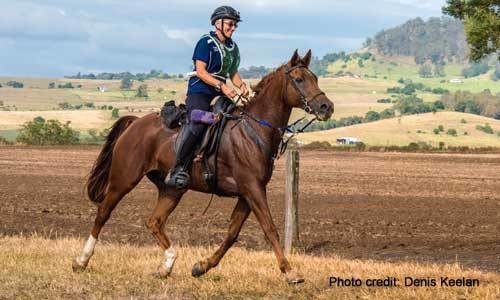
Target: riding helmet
225, 12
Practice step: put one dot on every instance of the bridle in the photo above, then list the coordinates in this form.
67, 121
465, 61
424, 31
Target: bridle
303, 98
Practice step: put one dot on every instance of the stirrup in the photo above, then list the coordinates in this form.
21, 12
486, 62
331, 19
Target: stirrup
178, 180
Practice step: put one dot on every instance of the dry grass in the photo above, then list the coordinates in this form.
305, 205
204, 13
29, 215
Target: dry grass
32, 267
404, 130
81, 119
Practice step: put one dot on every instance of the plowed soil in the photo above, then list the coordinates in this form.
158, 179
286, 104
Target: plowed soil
383, 206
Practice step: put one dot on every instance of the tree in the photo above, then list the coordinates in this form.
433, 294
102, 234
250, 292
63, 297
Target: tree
481, 23
496, 74
142, 91
439, 70
126, 83
425, 71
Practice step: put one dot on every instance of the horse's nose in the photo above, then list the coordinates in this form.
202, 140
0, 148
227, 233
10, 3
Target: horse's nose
326, 109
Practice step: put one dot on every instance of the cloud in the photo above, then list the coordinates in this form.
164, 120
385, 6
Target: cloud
60, 37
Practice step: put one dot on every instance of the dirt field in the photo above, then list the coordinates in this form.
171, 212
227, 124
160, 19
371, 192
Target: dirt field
382, 206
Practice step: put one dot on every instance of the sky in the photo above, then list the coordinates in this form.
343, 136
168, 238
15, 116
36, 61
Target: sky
53, 38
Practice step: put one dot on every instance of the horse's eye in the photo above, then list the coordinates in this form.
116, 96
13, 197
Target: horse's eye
298, 80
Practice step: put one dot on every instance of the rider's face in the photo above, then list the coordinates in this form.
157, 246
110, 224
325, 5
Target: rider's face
228, 28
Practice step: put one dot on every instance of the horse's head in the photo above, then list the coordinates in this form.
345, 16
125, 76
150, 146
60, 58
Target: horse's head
302, 88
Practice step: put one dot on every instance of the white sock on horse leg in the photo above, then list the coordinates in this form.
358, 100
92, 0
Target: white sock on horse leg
87, 251
171, 256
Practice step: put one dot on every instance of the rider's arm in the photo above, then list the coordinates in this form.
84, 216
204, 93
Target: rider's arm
201, 72
236, 80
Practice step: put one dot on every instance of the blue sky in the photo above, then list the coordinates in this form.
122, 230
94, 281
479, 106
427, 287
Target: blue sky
55, 37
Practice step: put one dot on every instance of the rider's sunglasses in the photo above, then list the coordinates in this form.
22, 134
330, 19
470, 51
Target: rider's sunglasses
231, 24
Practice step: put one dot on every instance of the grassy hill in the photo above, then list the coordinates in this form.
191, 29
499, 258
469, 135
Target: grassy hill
389, 69
416, 128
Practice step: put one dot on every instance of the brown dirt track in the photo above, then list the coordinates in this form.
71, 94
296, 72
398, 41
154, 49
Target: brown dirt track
383, 206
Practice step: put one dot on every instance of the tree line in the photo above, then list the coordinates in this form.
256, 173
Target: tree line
122, 75
437, 39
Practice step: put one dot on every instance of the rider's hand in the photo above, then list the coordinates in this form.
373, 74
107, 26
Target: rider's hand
244, 90
228, 91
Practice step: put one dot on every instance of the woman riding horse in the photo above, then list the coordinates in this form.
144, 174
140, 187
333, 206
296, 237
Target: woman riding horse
138, 147
216, 58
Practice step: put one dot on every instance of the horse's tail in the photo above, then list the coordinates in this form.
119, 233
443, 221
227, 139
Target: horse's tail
98, 178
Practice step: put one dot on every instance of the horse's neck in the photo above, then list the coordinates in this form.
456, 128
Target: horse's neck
271, 107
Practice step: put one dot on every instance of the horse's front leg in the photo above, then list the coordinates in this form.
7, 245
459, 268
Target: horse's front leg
238, 217
255, 194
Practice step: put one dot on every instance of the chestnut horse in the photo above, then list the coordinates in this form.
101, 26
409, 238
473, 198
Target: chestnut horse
143, 146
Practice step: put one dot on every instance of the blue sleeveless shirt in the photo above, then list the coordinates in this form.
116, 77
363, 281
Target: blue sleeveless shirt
222, 62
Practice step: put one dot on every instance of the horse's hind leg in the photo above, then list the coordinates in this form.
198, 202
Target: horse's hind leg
167, 202
117, 189
238, 217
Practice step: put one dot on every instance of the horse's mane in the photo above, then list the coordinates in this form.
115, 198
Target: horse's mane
259, 87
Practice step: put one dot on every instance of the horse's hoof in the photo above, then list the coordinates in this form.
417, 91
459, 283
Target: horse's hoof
77, 267
294, 277
199, 269
162, 272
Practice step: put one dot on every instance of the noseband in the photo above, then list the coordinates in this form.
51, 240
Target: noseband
303, 97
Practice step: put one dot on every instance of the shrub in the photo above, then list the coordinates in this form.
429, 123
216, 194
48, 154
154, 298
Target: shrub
4, 141
475, 69
52, 85
463, 121
441, 127
372, 116
452, 131
437, 105
384, 100
126, 83
115, 113
441, 145
51, 132
65, 105
439, 91
486, 128
67, 85
387, 113
436, 130
15, 84
142, 91
89, 104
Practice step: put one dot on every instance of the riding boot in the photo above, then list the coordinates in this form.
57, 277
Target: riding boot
179, 176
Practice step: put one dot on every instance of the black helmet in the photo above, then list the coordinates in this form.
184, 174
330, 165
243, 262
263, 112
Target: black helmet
225, 12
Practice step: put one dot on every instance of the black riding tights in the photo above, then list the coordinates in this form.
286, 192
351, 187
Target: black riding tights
197, 101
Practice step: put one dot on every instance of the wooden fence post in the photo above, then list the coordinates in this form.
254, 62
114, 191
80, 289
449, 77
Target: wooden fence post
291, 201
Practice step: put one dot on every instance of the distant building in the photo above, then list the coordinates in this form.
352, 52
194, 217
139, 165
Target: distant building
348, 140
455, 80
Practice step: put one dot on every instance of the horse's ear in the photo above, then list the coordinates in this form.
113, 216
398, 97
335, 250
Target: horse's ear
295, 58
307, 58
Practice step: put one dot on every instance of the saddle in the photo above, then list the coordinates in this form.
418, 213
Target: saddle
175, 116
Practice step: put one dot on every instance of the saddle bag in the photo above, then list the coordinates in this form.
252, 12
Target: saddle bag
173, 116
